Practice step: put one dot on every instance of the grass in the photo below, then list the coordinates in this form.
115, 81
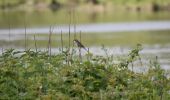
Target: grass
37, 75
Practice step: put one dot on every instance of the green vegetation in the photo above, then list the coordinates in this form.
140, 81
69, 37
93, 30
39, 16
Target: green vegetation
37, 75
14, 3
85, 1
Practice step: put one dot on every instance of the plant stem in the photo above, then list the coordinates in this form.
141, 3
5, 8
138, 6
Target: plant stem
25, 28
49, 41
80, 57
61, 41
35, 43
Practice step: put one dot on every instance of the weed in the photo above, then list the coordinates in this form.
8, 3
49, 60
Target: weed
32, 75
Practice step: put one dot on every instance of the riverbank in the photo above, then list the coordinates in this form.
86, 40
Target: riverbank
89, 5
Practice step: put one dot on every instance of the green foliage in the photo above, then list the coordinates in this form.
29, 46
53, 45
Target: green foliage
36, 75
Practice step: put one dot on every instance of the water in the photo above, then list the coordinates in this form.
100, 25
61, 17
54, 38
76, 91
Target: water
17, 19
96, 28
118, 31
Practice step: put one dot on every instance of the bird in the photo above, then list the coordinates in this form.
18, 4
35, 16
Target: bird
79, 44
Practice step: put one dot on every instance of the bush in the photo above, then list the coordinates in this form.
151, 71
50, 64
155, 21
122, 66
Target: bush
37, 75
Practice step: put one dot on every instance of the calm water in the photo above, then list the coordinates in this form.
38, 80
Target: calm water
96, 28
121, 31
16, 19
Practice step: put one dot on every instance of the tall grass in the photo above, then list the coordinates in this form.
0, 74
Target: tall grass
35, 43
25, 28
62, 41
49, 40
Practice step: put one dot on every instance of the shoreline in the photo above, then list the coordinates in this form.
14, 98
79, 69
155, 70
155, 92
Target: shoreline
89, 7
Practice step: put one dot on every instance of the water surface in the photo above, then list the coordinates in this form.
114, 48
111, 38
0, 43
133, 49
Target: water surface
118, 31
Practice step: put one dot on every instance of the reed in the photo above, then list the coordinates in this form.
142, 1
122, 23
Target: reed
35, 43
25, 29
69, 31
49, 40
74, 20
9, 27
80, 57
7, 16
61, 41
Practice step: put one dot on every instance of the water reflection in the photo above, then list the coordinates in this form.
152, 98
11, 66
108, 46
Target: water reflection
61, 16
103, 22
93, 16
55, 5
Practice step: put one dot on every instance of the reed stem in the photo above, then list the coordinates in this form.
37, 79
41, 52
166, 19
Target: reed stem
49, 41
69, 28
25, 29
80, 57
61, 41
9, 26
35, 44
74, 20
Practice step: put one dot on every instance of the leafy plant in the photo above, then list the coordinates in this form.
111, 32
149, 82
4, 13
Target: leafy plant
37, 75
